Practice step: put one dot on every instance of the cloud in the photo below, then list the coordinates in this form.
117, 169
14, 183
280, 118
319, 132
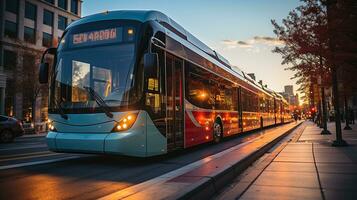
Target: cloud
236, 43
256, 40
268, 41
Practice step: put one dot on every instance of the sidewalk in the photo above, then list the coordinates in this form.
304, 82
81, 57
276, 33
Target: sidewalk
308, 168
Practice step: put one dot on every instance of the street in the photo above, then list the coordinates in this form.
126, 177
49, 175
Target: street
216, 100
81, 176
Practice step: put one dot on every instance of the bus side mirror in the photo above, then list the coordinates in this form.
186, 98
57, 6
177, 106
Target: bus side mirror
43, 75
151, 64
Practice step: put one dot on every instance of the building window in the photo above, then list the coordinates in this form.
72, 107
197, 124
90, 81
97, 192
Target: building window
10, 29
50, 1
62, 4
12, 6
30, 11
74, 6
10, 59
30, 35
47, 40
48, 17
62, 22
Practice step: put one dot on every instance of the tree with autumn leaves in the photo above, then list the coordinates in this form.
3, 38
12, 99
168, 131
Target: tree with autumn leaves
306, 46
320, 44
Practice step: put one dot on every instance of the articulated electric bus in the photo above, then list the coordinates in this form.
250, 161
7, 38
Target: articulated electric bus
136, 83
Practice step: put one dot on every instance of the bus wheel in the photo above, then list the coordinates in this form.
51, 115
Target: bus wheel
217, 132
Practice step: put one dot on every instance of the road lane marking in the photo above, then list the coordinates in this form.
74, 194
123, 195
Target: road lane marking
30, 156
37, 162
121, 194
24, 154
18, 148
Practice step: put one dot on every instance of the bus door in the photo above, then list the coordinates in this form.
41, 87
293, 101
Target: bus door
174, 108
240, 112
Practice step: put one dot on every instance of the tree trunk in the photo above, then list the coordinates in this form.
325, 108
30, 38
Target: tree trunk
347, 117
324, 112
318, 119
339, 141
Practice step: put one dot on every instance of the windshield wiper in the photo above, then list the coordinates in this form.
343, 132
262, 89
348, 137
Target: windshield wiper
60, 109
99, 101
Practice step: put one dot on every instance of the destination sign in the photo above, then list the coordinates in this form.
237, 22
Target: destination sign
97, 37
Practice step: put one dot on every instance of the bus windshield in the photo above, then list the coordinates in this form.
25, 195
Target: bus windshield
103, 64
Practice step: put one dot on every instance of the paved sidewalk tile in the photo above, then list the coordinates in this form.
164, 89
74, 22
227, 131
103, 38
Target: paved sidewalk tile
287, 193
349, 168
339, 181
291, 167
299, 168
288, 179
331, 157
340, 194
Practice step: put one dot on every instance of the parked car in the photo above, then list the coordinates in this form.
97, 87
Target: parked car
10, 128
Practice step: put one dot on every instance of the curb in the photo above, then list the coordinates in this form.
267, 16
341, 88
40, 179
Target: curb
33, 135
207, 188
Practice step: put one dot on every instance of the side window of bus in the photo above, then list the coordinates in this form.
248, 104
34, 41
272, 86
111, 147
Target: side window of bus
207, 90
198, 91
245, 100
224, 95
249, 101
235, 99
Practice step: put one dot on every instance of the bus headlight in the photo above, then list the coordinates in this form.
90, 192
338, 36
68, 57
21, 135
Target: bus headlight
125, 123
50, 125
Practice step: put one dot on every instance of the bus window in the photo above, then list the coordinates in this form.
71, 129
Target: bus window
199, 88
80, 79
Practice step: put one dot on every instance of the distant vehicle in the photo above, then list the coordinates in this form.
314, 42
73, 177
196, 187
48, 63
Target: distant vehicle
136, 83
10, 128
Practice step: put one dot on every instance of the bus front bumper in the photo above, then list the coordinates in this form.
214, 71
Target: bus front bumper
131, 143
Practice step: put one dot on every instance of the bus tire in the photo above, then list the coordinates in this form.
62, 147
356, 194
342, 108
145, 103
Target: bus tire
217, 132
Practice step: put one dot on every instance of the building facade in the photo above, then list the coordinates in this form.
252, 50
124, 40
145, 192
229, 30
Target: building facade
289, 95
289, 89
27, 28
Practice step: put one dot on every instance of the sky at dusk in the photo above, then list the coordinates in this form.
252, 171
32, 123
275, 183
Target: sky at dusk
240, 30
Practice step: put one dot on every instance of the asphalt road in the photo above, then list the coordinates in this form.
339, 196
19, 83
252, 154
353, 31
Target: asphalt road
29, 171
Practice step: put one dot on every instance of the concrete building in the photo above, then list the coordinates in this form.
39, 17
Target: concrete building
289, 95
27, 28
289, 89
